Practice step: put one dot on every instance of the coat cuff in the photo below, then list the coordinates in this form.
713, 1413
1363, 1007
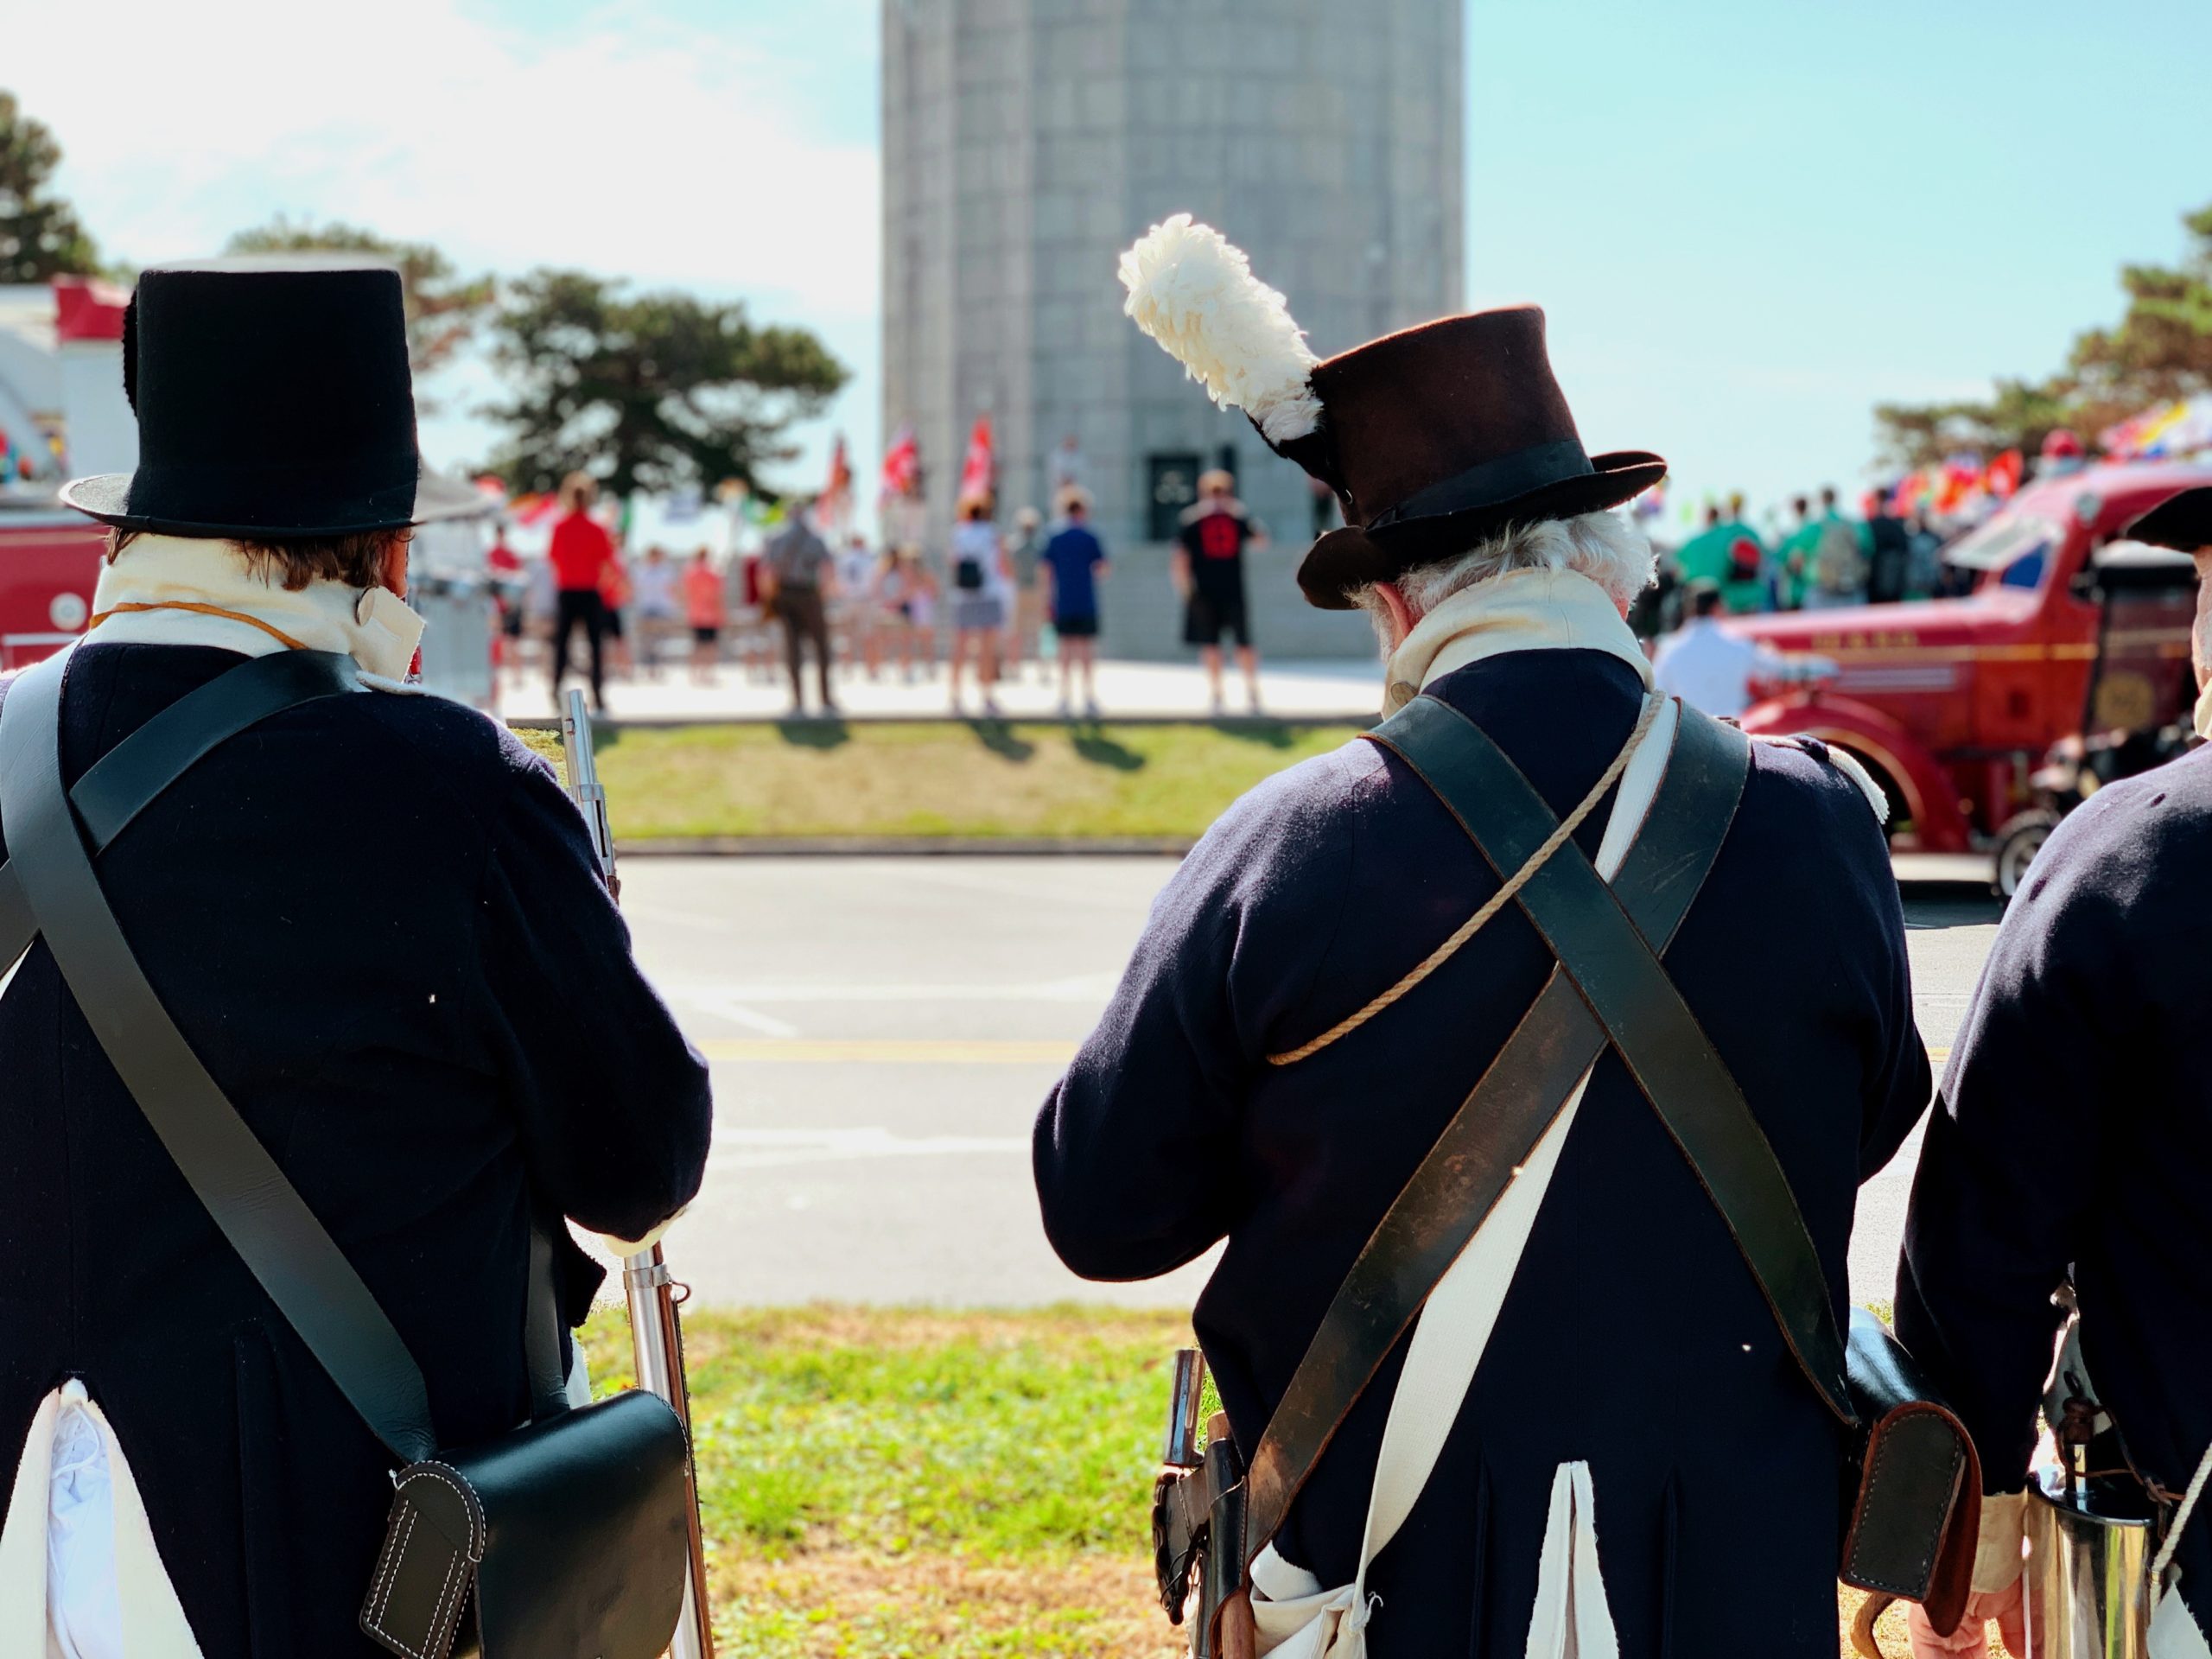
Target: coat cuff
1997, 1552
637, 1247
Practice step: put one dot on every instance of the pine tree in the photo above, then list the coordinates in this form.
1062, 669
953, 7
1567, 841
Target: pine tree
39, 237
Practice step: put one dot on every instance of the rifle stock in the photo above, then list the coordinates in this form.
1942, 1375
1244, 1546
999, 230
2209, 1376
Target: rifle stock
653, 1295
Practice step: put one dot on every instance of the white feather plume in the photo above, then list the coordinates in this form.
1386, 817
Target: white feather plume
1194, 292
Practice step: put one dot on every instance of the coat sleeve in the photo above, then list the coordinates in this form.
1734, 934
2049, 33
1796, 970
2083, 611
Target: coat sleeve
1898, 1085
612, 1102
1854, 860
1136, 1151
2005, 1175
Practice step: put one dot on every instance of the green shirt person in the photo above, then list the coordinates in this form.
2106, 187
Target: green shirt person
1794, 556
1836, 555
1728, 554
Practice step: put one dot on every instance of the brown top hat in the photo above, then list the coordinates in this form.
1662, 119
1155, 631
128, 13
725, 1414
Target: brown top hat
1432, 438
1437, 436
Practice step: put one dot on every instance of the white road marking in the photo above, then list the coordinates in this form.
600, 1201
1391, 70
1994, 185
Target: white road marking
728, 1007
778, 1148
886, 1050
710, 995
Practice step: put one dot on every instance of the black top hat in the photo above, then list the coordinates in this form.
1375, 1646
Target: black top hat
271, 402
2183, 521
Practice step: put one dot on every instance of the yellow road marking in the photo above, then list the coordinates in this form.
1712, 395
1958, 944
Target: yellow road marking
807, 1050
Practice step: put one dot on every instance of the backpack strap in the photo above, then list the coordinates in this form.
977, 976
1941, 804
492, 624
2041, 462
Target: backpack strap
1621, 980
1472, 1162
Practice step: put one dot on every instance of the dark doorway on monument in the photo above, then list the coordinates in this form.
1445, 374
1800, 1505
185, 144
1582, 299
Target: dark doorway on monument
1171, 485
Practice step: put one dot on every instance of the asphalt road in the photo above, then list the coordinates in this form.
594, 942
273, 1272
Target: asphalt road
883, 1029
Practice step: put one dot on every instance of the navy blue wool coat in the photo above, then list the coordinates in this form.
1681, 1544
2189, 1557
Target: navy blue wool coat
2074, 1130
1633, 1336
377, 919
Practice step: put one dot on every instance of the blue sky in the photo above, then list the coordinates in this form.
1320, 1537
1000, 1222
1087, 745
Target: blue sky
1749, 223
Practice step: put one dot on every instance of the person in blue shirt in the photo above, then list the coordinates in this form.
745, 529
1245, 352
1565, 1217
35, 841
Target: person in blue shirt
1073, 561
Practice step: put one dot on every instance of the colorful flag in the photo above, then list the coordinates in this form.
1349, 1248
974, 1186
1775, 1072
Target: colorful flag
1961, 475
531, 510
835, 506
2003, 475
902, 468
978, 471
2170, 429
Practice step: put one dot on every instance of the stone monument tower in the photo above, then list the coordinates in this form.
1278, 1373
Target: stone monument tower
1026, 142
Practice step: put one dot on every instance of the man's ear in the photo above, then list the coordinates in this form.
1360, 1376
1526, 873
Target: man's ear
393, 572
1400, 614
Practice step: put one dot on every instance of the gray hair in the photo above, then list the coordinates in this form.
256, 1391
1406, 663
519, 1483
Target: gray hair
1603, 546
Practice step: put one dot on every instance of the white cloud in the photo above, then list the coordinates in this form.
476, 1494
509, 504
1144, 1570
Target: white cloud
661, 152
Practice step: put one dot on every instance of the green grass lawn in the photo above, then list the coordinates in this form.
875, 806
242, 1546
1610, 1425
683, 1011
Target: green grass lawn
982, 778
878, 1485
890, 1483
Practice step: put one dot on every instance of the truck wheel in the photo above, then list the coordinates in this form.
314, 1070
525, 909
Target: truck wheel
2017, 843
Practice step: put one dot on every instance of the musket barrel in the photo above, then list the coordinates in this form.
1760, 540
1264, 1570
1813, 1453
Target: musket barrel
657, 1351
1183, 1399
656, 1328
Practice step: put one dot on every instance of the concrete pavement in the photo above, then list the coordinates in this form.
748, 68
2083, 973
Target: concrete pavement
882, 1030
1352, 688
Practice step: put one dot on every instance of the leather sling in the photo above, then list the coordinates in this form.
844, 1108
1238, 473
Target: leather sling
133, 775
557, 1585
1911, 1482
125, 780
1650, 1027
1463, 1174
253, 1204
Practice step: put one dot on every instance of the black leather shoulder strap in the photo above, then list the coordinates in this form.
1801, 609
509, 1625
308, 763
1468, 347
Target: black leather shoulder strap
1468, 1169
1619, 975
125, 780
257, 1207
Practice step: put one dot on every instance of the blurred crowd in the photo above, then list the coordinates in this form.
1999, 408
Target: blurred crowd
815, 601
1821, 558
809, 604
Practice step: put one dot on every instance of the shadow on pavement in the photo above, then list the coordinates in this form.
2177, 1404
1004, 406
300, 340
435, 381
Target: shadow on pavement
1936, 905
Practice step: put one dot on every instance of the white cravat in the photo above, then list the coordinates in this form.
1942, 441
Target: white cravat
171, 590
1521, 610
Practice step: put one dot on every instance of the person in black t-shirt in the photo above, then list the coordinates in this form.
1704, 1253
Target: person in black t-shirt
1209, 573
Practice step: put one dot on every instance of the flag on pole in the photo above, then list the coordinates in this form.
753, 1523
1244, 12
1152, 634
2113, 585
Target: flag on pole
902, 468
978, 470
835, 509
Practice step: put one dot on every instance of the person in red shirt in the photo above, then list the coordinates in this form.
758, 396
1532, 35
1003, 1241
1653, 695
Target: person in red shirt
614, 598
703, 609
581, 552
505, 565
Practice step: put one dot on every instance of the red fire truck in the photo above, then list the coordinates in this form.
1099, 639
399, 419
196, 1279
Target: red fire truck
49, 561
1954, 703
